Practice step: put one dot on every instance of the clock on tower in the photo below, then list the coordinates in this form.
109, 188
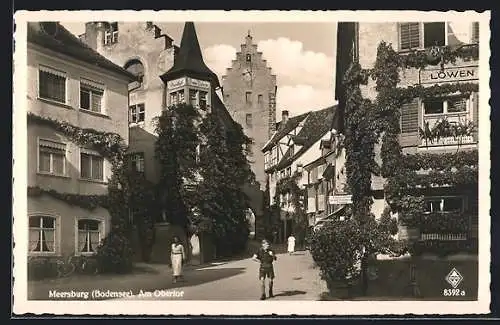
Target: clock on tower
248, 75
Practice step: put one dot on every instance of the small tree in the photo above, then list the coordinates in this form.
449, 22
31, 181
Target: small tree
224, 171
144, 208
115, 254
176, 150
336, 249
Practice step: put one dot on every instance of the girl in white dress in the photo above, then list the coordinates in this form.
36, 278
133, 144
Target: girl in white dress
177, 256
291, 244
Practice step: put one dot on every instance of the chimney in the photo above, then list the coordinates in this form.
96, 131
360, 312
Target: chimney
284, 117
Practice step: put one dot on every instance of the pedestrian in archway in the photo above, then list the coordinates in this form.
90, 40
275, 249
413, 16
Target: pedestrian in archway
177, 257
266, 257
291, 244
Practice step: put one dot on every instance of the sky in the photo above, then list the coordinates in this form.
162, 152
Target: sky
301, 55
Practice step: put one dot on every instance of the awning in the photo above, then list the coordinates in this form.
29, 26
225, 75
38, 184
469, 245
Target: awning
337, 212
329, 171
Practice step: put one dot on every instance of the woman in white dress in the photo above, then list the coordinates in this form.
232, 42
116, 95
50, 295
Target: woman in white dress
291, 244
177, 256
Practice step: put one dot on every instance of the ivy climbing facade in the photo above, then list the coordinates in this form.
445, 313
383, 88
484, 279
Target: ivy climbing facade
411, 110
77, 135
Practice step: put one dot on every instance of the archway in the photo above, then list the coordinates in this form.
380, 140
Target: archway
251, 222
255, 212
135, 67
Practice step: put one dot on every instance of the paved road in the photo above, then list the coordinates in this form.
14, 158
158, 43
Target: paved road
296, 279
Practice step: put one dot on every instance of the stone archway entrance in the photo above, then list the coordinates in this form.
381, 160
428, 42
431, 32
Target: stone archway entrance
255, 212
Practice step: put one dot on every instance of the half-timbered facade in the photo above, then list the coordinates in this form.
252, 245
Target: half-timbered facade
296, 143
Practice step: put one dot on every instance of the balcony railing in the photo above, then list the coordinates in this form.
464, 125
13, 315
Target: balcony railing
444, 237
446, 226
458, 120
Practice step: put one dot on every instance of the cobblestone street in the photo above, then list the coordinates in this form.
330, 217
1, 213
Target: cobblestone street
296, 279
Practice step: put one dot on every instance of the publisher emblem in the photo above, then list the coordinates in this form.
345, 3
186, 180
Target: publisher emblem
454, 278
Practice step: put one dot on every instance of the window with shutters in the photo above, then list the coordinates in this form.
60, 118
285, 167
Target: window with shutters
422, 35
409, 34
91, 96
475, 33
409, 117
91, 165
52, 84
51, 157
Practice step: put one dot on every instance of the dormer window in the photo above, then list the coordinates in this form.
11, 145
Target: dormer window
111, 34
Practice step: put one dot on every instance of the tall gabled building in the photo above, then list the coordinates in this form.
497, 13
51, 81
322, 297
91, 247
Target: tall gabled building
249, 88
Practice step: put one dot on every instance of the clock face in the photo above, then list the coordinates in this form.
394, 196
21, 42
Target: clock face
247, 74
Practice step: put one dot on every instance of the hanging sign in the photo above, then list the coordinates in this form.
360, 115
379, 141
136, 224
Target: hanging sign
340, 199
198, 83
176, 83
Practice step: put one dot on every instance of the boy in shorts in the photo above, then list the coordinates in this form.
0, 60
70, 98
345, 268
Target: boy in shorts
266, 257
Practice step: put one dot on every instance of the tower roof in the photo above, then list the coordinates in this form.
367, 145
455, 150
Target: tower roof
189, 60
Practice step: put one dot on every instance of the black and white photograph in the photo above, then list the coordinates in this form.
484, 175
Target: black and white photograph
240, 163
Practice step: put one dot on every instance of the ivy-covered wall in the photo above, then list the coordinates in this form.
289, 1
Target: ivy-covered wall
373, 118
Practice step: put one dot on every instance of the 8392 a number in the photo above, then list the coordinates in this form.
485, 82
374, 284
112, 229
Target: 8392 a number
453, 293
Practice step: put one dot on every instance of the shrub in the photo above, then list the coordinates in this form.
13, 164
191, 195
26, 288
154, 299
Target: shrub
336, 249
115, 254
41, 268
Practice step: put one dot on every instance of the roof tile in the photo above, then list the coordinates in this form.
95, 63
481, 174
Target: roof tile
63, 41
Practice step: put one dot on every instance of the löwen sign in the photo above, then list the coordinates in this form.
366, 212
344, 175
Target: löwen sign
449, 75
